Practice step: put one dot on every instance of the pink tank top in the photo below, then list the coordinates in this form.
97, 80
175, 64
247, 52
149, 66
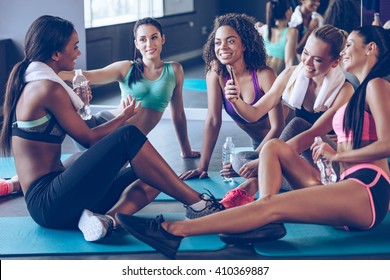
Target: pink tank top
368, 132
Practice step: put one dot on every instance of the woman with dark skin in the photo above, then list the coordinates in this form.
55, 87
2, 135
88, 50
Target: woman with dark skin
235, 42
39, 114
359, 201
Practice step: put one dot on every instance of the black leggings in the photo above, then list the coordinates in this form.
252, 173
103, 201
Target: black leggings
94, 181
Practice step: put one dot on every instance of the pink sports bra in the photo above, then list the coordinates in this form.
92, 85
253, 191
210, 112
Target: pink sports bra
369, 129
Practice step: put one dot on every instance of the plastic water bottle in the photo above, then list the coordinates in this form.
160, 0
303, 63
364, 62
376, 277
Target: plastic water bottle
79, 81
328, 175
227, 155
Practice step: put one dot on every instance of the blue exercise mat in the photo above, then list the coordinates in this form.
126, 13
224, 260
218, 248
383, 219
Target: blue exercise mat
21, 236
308, 240
195, 85
7, 166
214, 184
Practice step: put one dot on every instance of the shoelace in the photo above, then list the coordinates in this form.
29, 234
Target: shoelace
214, 203
155, 223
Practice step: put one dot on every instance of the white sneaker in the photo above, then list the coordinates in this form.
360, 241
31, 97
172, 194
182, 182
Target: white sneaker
95, 226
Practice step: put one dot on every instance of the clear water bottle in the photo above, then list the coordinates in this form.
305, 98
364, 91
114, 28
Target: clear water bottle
227, 155
79, 81
328, 175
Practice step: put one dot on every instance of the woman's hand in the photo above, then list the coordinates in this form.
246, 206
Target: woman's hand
322, 149
232, 91
129, 107
228, 171
193, 154
195, 173
88, 92
249, 169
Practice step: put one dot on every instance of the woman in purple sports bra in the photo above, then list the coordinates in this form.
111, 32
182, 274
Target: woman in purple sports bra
359, 201
235, 42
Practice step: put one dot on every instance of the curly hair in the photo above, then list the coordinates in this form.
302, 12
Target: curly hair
255, 55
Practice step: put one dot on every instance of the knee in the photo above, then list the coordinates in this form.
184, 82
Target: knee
296, 126
272, 145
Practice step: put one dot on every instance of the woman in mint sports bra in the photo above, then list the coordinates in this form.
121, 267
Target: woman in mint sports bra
235, 42
359, 201
149, 80
88, 192
280, 41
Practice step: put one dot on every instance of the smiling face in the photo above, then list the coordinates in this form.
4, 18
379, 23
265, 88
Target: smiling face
311, 5
354, 53
316, 57
67, 57
149, 41
228, 46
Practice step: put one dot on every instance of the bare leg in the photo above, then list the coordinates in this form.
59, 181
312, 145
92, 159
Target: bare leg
250, 186
280, 159
152, 169
343, 203
134, 198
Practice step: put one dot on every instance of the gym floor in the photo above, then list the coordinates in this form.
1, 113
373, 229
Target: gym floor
164, 139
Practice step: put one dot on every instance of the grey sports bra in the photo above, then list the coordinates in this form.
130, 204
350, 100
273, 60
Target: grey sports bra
44, 129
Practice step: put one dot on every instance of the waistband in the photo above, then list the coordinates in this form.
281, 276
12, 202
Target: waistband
362, 166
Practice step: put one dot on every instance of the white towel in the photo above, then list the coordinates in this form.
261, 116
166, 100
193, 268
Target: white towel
296, 18
37, 71
297, 85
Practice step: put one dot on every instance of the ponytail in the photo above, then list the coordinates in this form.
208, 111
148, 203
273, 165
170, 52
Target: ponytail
354, 113
14, 88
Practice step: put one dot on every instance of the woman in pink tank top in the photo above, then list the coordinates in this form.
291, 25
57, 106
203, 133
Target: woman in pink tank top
359, 201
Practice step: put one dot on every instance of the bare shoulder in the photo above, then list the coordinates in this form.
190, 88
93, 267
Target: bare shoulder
177, 67
377, 88
266, 71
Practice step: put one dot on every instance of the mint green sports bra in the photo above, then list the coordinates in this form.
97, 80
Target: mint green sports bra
155, 94
276, 49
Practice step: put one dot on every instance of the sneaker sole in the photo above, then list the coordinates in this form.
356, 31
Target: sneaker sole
91, 227
266, 233
163, 249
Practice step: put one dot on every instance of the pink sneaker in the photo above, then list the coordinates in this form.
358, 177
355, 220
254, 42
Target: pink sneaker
236, 197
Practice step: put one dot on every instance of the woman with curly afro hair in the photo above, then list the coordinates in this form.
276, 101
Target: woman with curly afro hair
235, 58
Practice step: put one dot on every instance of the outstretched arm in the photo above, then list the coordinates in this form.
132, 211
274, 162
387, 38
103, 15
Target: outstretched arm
252, 113
178, 115
111, 73
211, 127
290, 51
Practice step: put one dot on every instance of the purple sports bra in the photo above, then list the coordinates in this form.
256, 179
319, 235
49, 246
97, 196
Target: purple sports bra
258, 93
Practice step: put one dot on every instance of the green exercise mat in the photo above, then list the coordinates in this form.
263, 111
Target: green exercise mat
7, 166
195, 85
214, 183
21, 236
305, 240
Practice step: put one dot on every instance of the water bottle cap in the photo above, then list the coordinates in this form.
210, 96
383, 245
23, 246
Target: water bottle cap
229, 138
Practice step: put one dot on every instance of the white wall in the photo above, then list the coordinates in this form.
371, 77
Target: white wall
17, 15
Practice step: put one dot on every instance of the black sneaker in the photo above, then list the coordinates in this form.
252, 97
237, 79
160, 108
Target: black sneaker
267, 232
150, 231
212, 206
95, 226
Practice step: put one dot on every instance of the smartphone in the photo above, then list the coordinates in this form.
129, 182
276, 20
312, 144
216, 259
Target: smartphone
231, 73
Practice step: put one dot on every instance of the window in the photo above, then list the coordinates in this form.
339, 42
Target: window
108, 12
